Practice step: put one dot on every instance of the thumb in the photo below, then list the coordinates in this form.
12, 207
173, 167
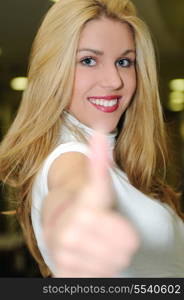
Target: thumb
101, 187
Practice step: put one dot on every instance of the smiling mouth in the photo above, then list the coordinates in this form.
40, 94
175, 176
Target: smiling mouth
105, 105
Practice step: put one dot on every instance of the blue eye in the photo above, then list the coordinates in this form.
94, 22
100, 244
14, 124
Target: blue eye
88, 61
125, 62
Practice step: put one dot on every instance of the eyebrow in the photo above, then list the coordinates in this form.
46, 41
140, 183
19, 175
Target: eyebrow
98, 52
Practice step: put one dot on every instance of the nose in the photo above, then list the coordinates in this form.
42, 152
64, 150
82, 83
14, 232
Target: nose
110, 78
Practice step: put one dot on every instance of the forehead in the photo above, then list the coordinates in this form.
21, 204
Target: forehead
105, 32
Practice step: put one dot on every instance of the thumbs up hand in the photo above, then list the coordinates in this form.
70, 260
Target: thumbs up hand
89, 239
99, 187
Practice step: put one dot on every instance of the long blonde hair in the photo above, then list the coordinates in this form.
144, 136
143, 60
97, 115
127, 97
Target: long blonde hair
141, 144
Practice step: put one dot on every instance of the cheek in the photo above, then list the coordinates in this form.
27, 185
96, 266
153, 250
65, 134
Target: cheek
82, 82
81, 87
131, 81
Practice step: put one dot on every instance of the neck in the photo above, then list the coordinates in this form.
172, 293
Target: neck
85, 130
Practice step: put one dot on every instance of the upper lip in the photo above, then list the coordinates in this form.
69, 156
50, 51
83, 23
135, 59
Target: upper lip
109, 97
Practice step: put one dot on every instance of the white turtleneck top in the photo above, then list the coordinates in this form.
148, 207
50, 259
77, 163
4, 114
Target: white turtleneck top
161, 231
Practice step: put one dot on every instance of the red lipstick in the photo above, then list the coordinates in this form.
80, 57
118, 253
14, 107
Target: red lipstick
110, 97
106, 104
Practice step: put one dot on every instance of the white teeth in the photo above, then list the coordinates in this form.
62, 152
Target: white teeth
105, 103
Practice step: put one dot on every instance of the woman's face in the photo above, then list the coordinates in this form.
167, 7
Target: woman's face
105, 76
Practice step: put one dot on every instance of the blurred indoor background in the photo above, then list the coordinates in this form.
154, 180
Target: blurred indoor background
19, 21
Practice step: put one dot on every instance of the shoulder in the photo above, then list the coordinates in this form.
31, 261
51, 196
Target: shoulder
64, 160
66, 164
68, 169
61, 150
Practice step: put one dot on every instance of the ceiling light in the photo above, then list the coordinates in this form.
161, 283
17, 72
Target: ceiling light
176, 101
54, 0
19, 83
176, 107
177, 85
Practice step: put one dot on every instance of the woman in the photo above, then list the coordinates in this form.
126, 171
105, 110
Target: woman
93, 68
